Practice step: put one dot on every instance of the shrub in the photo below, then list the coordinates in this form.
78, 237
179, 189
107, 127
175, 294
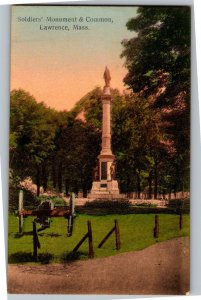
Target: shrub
71, 256
102, 203
179, 205
103, 207
23, 257
45, 258
20, 257
145, 204
129, 210
57, 201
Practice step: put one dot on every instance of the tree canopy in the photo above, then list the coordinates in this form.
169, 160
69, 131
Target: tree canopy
158, 63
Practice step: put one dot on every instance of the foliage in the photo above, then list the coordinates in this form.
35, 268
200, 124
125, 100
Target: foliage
91, 107
108, 206
179, 205
57, 201
158, 63
145, 204
72, 256
32, 133
24, 257
78, 146
159, 55
133, 209
137, 143
31, 126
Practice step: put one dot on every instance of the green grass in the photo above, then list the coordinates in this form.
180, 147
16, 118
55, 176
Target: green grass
136, 232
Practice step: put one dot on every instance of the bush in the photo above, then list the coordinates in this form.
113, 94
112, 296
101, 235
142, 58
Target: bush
179, 205
120, 204
99, 207
57, 201
104, 207
71, 256
145, 204
24, 257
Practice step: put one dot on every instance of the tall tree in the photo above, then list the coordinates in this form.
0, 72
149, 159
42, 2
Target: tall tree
158, 63
32, 132
137, 143
78, 146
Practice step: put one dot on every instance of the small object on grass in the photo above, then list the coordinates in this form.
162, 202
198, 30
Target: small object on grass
156, 228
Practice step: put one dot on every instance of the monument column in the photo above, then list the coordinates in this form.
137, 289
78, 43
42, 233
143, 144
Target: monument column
105, 185
106, 157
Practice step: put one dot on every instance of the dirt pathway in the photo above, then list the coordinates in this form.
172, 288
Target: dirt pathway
159, 269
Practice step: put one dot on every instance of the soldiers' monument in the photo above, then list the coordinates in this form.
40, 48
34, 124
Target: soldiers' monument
104, 184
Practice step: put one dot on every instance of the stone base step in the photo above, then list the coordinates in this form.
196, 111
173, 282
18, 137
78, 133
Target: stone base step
106, 196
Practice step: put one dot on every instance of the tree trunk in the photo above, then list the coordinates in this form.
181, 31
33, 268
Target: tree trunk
66, 187
84, 190
155, 179
45, 176
175, 190
54, 176
60, 178
138, 186
38, 180
150, 185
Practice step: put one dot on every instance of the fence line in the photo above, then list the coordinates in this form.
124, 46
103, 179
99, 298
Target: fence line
170, 196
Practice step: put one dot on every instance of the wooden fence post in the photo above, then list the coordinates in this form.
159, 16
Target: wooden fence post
117, 235
91, 250
90, 241
36, 243
156, 228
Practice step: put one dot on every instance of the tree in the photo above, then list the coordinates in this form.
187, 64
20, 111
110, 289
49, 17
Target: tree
158, 63
78, 146
32, 132
136, 143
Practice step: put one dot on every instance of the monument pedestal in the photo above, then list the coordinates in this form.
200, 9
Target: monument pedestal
105, 190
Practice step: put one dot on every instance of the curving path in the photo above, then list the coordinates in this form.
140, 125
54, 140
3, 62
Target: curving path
162, 268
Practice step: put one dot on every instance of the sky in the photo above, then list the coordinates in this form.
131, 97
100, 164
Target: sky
59, 67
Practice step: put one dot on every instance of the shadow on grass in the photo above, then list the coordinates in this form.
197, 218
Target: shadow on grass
41, 229
24, 257
19, 235
50, 234
72, 256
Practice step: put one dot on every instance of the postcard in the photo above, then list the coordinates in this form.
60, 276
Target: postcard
99, 174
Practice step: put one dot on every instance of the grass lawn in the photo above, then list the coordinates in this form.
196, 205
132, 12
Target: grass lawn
136, 232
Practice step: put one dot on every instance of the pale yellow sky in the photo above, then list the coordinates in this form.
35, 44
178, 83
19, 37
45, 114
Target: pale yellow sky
59, 67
